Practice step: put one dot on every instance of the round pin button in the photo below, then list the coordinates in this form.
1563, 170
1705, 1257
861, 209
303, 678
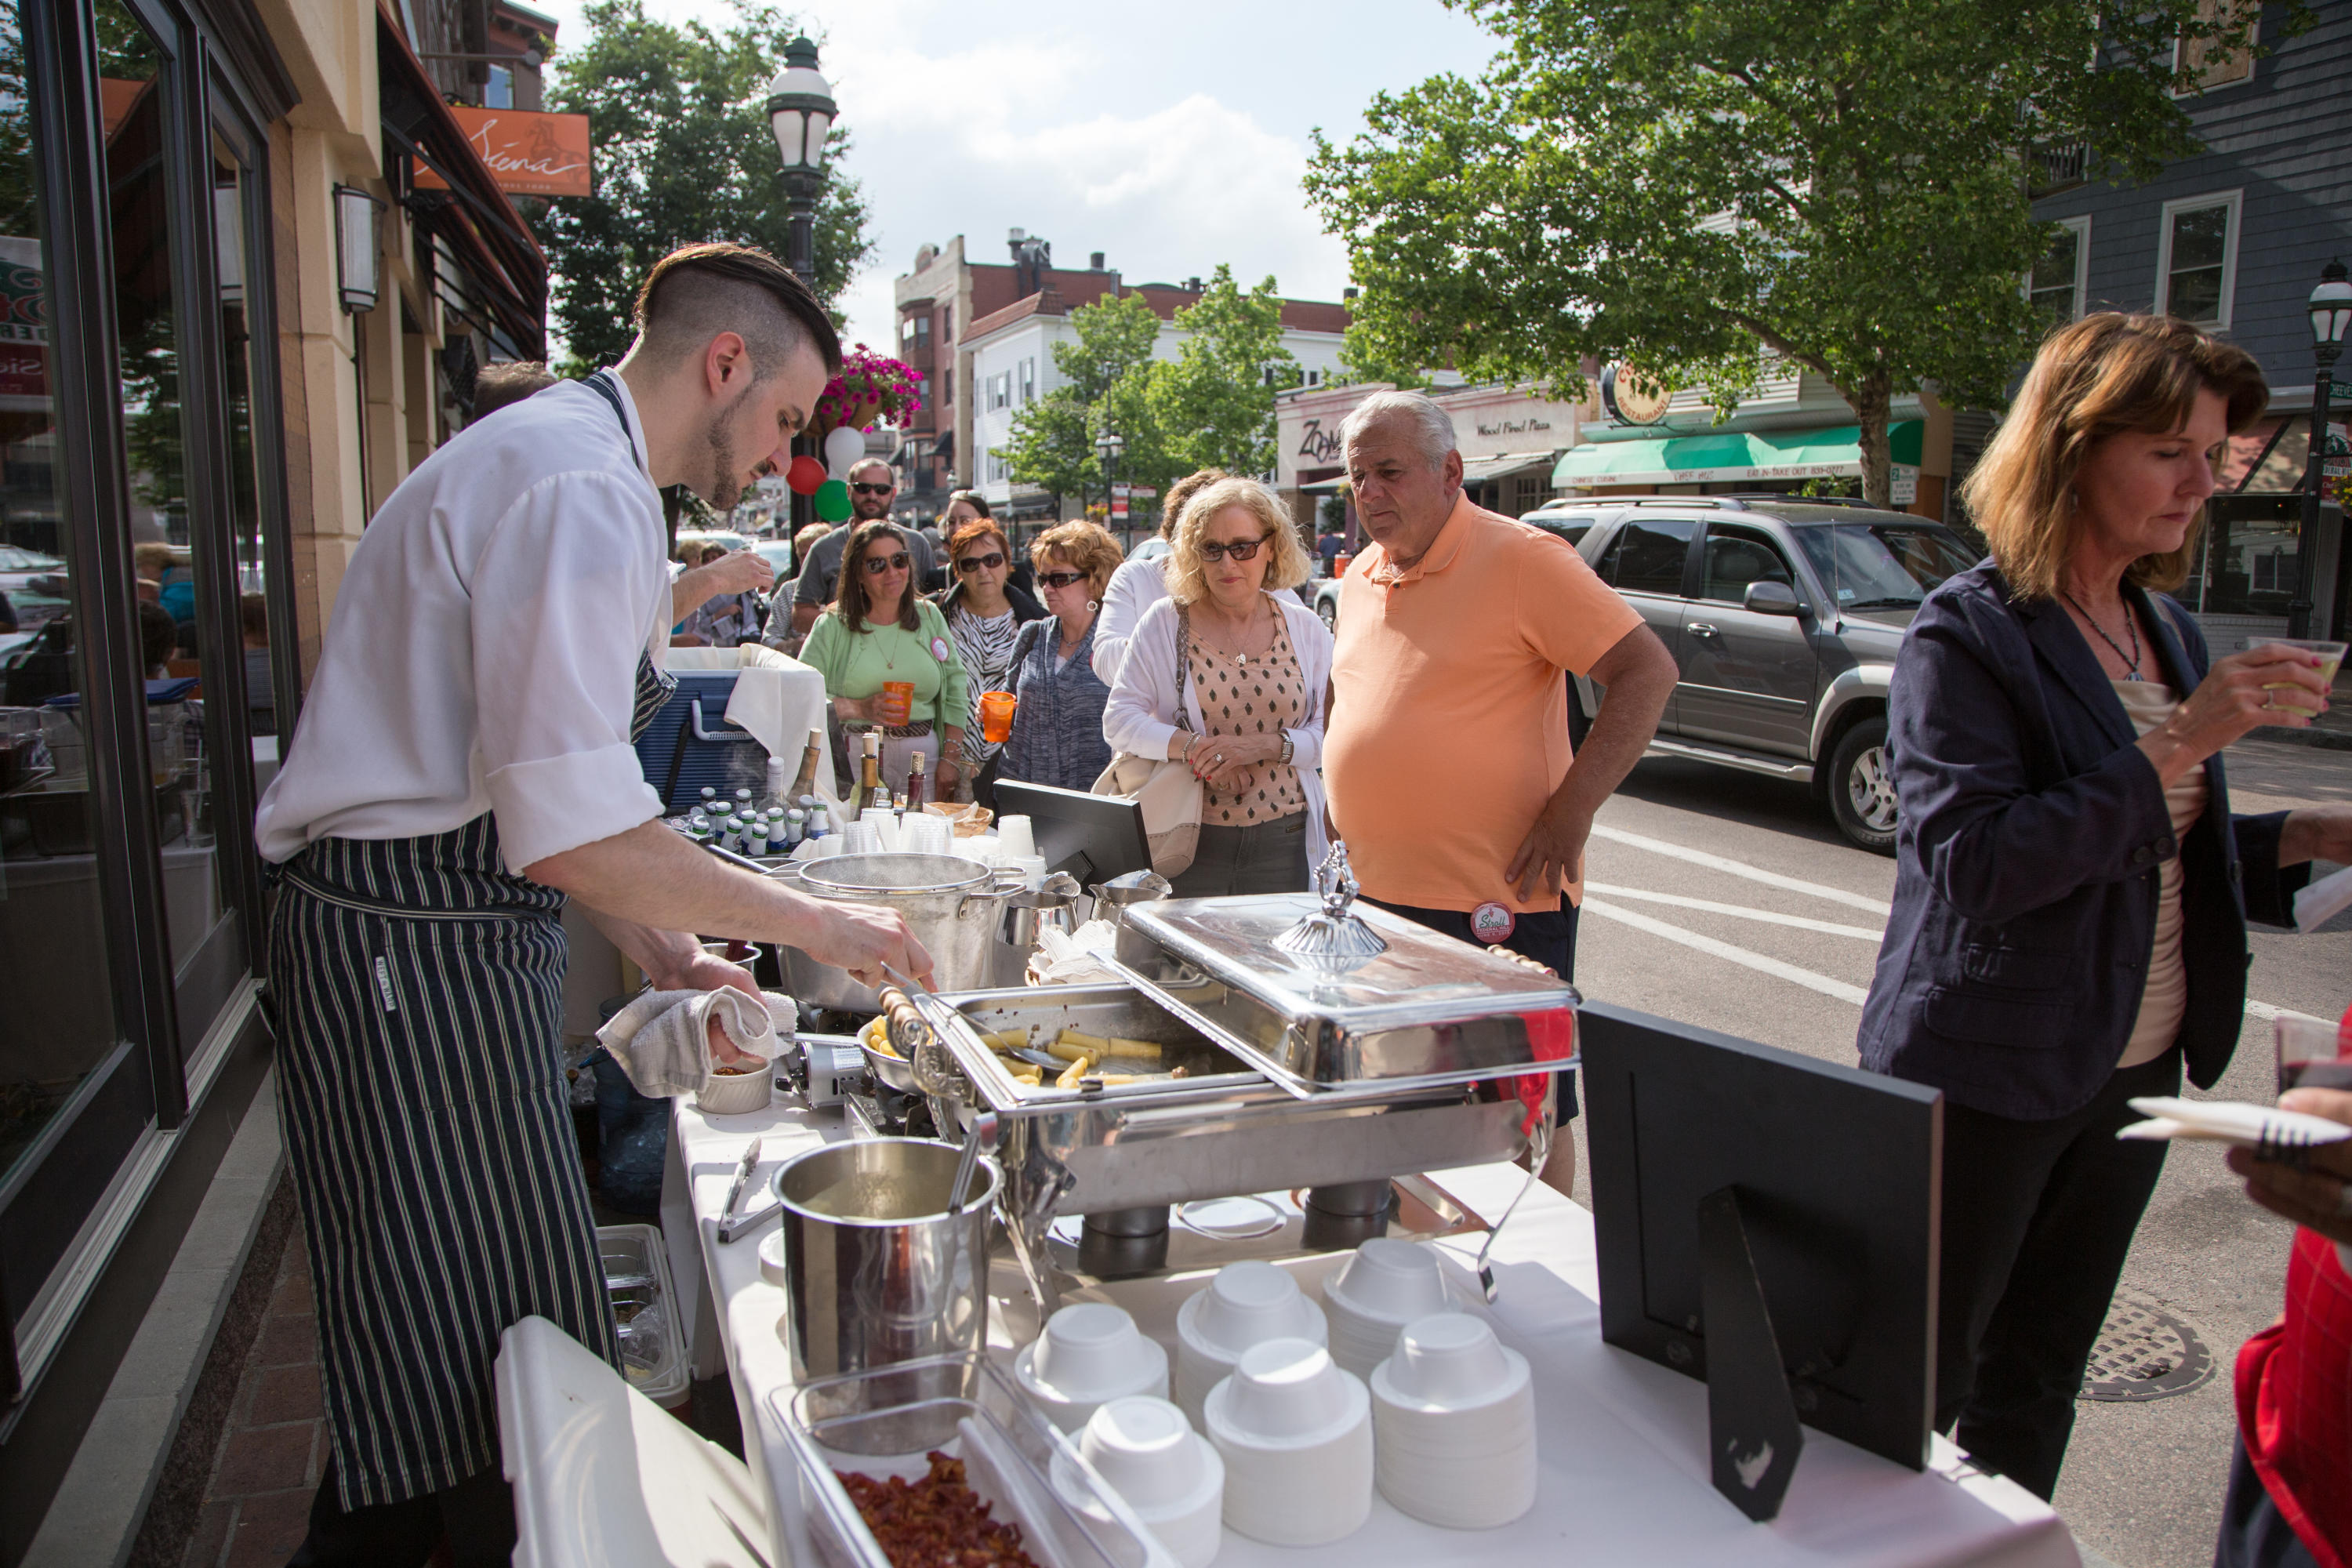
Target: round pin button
1492, 923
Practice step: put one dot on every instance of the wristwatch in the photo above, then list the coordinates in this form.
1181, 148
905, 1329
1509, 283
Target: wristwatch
1288, 750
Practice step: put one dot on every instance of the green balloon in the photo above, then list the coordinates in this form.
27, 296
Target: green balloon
832, 502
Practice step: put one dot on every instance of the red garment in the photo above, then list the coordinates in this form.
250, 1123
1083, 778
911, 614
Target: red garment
2295, 1401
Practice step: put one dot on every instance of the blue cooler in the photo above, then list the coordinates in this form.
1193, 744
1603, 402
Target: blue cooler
690, 745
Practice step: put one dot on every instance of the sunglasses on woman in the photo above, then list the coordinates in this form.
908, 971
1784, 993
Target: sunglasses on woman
1060, 579
1239, 550
877, 565
987, 562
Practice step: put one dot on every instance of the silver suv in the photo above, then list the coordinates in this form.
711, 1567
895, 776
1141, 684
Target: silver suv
1784, 616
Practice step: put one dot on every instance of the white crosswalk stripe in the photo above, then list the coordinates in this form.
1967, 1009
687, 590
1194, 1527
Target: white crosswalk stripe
1741, 869
1871, 934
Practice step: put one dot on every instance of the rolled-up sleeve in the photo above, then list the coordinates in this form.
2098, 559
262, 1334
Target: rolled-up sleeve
564, 594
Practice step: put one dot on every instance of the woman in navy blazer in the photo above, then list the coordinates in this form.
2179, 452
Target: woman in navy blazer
2071, 892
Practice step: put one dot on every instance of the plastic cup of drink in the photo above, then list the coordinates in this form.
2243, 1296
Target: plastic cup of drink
2331, 659
997, 717
898, 702
2311, 1052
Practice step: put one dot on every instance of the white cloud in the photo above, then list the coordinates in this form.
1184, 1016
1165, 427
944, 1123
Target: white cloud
1170, 140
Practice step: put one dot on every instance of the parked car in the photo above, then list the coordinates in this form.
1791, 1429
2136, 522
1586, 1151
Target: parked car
1784, 616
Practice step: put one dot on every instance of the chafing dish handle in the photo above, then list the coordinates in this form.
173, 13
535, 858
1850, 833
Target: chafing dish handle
1281, 1077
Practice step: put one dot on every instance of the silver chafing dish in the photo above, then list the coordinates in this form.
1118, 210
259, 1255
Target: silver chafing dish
1322, 1046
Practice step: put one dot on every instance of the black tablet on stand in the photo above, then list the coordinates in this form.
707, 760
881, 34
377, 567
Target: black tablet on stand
1767, 1223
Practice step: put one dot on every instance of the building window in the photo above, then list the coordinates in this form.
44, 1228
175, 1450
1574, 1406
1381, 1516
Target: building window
1028, 381
907, 330
1000, 391
922, 332
1314, 378
498, 91
2197, 258
2056, 282
946, 384
997, 467
2191, 51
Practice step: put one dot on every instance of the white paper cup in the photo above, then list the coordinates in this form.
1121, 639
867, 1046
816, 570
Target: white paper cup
1014, 837
1454, 1422
1310, 1482
1147, 1452
1246, 1304
1090, 1355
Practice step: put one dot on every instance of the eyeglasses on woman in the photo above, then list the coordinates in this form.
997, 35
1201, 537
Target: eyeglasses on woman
877, 565
1239, 550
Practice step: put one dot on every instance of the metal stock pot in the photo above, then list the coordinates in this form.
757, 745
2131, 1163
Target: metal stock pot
949, 904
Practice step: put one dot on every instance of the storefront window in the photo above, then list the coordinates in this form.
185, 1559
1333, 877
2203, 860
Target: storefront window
186, 672
230, 194
57, 1014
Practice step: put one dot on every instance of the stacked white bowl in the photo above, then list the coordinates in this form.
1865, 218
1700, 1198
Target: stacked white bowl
1090, 1353
1168, 1473
1246, 1304
1454, 1415
1385, 1284
1296, 1437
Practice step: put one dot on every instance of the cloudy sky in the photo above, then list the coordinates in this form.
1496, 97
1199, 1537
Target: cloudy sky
1170, 136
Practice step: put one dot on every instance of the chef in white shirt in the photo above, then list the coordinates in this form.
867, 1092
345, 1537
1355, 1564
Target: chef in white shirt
463, 763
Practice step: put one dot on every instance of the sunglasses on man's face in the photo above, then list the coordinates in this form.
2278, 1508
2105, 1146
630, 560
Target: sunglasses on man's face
877, 565
862, 487
987, 562
1060, 579
1239, 550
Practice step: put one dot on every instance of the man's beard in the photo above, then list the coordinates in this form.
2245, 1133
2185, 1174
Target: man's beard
870, 509
724, 486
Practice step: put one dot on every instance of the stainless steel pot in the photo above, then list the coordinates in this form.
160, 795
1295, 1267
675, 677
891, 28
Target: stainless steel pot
950, 905
876, 1269
1052, 908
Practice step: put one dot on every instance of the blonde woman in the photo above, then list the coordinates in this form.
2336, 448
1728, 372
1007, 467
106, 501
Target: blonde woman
1229, 675
2070, 890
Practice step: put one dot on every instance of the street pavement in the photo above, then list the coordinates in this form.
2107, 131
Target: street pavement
1727, 899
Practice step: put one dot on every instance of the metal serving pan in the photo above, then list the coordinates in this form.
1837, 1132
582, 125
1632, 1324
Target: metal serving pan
1427, 1010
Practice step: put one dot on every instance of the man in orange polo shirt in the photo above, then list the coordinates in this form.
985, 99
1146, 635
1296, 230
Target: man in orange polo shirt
1446, 755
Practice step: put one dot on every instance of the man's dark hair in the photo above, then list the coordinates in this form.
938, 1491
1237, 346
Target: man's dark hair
159, 636
497, 386
698, 292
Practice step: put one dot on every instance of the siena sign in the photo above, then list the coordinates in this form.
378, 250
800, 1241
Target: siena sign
529, 155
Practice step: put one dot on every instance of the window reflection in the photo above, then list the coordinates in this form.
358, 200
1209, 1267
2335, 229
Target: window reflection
57, 1022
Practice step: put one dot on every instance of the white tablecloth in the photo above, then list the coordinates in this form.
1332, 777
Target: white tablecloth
1623, 1441
778, 698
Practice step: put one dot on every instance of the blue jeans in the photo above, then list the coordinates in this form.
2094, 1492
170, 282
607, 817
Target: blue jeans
2254, 1535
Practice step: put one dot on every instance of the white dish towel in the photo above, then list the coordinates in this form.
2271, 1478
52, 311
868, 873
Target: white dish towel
662, 1038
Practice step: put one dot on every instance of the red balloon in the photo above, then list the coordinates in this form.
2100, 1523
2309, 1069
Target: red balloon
806, 474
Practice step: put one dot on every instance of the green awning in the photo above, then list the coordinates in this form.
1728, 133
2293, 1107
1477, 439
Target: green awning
1720, 457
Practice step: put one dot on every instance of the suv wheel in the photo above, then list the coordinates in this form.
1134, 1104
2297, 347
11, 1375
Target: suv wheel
1861, 787
1327, 606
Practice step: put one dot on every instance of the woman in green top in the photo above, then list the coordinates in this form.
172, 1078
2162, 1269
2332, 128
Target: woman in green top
876, 631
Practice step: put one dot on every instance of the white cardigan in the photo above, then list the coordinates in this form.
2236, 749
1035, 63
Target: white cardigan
1141, 713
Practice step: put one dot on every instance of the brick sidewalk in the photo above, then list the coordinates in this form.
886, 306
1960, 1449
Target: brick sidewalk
258, 1504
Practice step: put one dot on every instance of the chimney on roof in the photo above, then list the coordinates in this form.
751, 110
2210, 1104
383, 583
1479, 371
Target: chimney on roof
1016, 236
1095, 261
1192, 285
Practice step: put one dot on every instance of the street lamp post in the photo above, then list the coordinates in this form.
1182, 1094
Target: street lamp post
801, 112
2331, 315
1110, 444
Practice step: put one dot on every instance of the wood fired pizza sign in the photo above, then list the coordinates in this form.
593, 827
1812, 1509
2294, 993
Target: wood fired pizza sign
530, 154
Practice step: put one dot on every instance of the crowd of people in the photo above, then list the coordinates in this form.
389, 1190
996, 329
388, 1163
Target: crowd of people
2068, 928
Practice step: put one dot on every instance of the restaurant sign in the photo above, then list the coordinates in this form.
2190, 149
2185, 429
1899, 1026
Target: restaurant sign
24, 323
529, 155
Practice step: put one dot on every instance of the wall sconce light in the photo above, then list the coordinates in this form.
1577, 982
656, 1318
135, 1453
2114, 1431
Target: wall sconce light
359, 252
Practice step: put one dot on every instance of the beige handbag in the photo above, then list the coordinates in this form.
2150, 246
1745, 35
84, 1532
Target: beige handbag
1170, 793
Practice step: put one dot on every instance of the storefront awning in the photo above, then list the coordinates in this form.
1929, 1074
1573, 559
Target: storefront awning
1478, 470
1721, 457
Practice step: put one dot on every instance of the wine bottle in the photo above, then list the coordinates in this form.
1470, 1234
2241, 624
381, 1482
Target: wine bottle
915, 783
773, 799
871, 790
811, 756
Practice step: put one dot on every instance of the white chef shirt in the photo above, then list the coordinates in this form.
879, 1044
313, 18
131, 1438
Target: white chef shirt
484, 646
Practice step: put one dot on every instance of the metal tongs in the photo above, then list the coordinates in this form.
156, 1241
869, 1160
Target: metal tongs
1538, 1153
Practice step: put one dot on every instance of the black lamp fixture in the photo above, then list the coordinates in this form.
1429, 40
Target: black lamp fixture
2331, 317
802, 111
359, 250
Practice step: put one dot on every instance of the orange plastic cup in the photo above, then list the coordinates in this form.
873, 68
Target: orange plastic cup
898, 702
997, 717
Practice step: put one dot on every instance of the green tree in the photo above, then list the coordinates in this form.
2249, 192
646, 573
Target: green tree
678, 118
1214, 401
1691, 185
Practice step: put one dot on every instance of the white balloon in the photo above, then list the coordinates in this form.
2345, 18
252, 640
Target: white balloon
843, 447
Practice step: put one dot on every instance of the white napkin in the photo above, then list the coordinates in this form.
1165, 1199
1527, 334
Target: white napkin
662, 1038
2323, 901
2228, 1122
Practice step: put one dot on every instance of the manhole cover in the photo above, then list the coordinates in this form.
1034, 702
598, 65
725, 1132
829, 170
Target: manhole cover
2145, 1353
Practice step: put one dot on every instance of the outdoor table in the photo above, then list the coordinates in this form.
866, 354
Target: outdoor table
1622, 1442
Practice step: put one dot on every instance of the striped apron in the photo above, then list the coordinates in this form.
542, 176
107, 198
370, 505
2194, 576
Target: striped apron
419, 991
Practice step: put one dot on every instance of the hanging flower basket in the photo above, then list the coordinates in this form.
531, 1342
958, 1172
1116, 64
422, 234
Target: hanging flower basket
872, 389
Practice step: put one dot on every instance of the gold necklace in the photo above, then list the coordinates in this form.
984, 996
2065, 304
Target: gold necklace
1241, 658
